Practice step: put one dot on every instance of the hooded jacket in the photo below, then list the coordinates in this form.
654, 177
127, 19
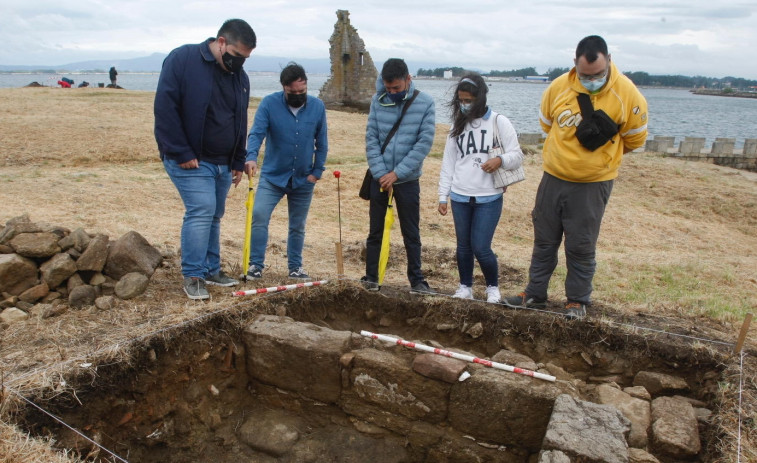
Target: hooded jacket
181, 104
560, 114
411, 143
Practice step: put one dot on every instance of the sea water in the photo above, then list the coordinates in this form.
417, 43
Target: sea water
672, 112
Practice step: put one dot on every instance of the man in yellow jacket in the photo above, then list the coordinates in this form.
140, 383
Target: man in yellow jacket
592, 115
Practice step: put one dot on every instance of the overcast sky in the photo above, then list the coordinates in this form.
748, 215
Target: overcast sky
692, 37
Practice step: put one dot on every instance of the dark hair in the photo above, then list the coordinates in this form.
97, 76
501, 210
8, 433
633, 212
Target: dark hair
591, 47
394, 68
478, 89
292, 73
238, 31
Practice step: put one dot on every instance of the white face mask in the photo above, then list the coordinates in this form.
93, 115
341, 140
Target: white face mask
465, 107
594, 85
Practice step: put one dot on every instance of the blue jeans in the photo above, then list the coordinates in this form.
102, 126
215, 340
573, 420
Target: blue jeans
203, 191
475, 224
267, 197
407, 199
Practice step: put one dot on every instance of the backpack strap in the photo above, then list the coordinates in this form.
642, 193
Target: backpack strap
584, 102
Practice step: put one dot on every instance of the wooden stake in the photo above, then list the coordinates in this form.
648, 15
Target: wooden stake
339, 259
742, 334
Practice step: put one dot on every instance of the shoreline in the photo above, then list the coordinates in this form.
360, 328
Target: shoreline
733, 94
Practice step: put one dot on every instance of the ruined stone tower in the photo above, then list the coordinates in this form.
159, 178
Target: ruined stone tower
353, 74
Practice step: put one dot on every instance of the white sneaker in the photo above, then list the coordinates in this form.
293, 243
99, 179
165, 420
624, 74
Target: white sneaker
493, 295
464, 292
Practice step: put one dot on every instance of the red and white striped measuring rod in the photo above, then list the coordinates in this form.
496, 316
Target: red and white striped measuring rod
455, 355
276, 289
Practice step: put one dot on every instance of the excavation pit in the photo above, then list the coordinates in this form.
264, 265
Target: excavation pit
289, 378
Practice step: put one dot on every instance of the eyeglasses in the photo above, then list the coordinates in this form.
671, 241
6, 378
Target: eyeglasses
599, 76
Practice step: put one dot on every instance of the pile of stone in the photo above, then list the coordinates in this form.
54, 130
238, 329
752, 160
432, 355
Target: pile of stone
46, 269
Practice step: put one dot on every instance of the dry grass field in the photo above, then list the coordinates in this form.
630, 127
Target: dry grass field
678, 239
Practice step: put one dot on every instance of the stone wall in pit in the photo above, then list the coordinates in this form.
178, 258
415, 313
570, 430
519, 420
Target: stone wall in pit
494, 415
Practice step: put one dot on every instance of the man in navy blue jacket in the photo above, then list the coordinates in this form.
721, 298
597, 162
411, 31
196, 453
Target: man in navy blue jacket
293, 125
200, 125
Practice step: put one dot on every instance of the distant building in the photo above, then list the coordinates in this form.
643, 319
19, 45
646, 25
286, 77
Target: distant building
537, 78
447, 74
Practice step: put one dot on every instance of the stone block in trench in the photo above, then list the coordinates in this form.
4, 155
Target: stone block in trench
675, 432
553, 456
387, 380
271, 431
439, 367
660, 383
296, 356
503, 407
641, 456
637, 411
587, 432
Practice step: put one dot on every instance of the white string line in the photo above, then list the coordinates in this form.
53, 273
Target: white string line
191, 321
65, 424
741, 387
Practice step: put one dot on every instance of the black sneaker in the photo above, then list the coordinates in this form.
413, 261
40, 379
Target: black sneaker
524, 301
421, 288
370, 285
221, 279
575, 311
255, 272
195, 289
299, 274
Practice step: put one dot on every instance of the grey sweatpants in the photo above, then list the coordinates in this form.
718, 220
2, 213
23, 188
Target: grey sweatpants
574, 210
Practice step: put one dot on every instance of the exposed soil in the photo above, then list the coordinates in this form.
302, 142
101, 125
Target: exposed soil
182, 394
676, 256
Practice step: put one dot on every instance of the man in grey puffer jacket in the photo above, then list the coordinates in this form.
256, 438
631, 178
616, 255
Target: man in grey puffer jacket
397, 168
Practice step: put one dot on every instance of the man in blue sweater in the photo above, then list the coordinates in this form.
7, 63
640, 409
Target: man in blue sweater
200, 124
293, 125
395, 164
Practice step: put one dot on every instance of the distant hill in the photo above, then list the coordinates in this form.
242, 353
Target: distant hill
154, 62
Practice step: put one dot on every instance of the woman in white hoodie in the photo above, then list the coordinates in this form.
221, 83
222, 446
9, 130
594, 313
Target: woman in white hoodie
467, 182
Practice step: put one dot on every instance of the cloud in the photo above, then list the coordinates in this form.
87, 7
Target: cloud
669, 37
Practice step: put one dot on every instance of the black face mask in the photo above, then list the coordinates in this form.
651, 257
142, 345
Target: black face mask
296, 100
232, 63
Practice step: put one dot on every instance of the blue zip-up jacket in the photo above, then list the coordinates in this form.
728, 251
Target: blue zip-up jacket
411, 143
181, 103
295, 146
